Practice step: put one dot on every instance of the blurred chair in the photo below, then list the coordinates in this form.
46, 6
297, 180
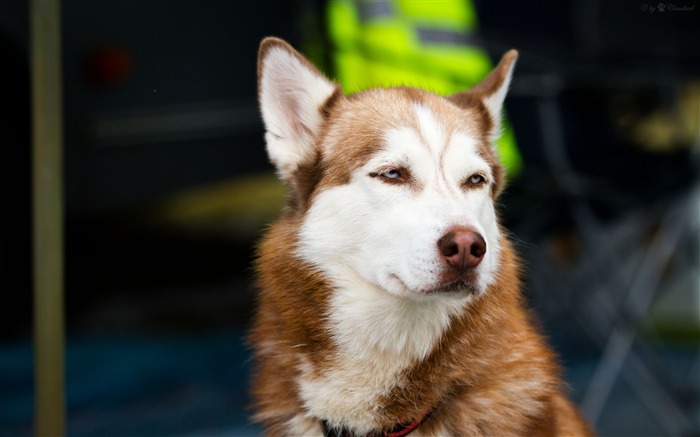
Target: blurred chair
614, 276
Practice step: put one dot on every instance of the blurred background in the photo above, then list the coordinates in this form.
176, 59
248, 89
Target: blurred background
167, 187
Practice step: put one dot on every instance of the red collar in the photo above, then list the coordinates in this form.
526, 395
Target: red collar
400, 430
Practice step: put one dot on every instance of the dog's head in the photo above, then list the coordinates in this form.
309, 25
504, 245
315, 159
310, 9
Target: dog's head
391, 187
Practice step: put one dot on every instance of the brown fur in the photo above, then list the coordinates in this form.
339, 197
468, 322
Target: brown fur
491, 372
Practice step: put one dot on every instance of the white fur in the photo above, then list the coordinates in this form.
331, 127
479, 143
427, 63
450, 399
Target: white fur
304, 426
290, 97
348, 395
379, 336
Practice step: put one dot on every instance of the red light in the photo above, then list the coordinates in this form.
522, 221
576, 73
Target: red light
109, 65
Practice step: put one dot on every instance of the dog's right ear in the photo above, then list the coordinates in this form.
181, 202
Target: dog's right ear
491, 92
292, 94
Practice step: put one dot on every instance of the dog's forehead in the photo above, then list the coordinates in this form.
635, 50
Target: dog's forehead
365, 123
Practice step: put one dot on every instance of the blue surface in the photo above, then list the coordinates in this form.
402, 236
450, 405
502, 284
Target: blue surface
196, 384
193, 384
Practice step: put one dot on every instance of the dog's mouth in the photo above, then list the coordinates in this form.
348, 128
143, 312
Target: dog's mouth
460, 285
465, 283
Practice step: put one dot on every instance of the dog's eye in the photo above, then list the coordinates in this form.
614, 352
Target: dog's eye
475, 180
392, 175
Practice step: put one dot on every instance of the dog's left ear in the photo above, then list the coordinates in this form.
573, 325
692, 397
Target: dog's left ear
491, 91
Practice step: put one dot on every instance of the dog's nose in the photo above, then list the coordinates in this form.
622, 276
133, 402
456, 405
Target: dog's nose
463, 248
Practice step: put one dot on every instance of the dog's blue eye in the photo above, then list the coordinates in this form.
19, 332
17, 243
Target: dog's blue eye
476, 179
398, 175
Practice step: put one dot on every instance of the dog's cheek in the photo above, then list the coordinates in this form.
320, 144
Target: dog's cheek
382, 223
331, 225
488, 222
487, 217
407, 238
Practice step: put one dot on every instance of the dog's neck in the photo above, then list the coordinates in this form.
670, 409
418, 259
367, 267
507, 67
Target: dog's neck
377, 337
365, 320
401, 429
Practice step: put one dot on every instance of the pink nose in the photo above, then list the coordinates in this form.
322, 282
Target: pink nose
462, 248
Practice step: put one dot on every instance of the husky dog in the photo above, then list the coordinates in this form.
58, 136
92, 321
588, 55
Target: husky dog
389, 295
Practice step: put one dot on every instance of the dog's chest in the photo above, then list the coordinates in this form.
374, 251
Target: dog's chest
379, 338
352, 392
